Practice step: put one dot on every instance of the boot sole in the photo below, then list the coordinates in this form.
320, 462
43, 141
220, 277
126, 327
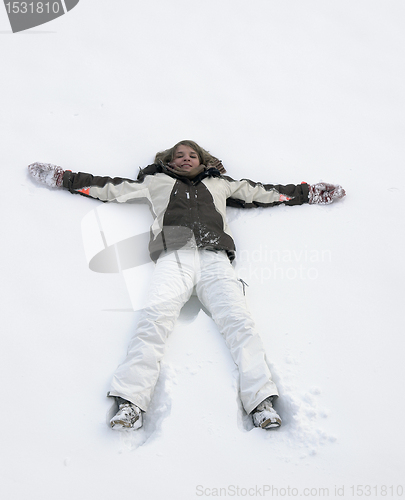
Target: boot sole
270, 424
120, 425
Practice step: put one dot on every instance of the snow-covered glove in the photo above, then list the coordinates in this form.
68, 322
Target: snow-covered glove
324, 193
46, 173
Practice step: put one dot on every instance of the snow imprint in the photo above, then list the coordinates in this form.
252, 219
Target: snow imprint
158, 411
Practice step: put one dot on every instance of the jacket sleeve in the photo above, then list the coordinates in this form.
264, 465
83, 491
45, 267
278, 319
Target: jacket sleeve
105, 188
248, 194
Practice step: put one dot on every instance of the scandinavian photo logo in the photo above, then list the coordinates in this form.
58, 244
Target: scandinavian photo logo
26, 15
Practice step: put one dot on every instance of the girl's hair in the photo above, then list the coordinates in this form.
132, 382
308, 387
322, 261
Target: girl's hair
167, 156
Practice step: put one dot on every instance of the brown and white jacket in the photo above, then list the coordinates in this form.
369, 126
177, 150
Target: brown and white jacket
184, 209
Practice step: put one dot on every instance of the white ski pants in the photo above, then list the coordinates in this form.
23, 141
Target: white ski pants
174, 278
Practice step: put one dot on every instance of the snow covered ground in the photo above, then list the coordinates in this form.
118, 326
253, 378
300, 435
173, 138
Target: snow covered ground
281, 91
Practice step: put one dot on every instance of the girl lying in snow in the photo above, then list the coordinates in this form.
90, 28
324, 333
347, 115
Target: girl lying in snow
193, 249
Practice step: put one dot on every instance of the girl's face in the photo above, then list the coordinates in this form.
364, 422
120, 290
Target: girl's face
186, 162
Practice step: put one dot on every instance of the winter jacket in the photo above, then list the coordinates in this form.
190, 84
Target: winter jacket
185, 209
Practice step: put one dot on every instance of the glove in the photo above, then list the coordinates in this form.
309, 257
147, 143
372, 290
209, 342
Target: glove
46, 173
324, 193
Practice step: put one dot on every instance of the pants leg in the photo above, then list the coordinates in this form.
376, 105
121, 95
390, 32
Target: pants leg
170, 288
220, 291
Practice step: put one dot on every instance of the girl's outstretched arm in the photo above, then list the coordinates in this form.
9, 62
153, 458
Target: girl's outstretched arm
101, 188
247, 194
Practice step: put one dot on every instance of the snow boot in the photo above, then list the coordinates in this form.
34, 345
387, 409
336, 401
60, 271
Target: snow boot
128, 417
265, 416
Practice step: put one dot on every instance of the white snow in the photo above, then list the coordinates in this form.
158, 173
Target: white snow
282, 92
